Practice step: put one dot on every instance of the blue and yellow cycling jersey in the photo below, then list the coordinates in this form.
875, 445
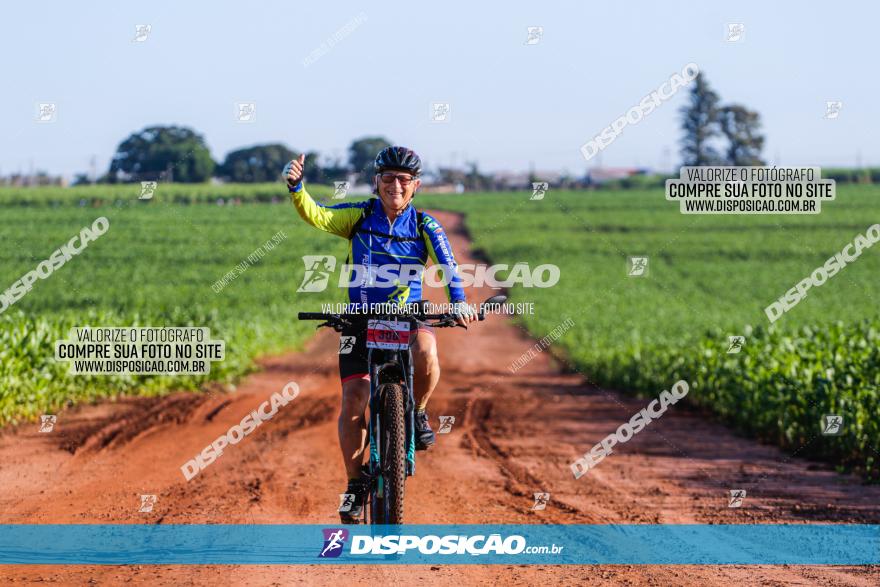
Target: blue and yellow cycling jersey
378, 246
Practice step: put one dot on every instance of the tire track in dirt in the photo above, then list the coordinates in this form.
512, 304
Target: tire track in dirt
478, 413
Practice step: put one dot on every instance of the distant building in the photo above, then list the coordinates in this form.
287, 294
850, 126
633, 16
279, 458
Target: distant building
600, 175
522, 180
440, 188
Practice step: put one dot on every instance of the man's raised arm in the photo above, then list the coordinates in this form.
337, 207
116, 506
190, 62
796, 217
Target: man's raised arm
338, 221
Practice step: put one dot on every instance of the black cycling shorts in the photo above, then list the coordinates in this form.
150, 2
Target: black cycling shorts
353, 352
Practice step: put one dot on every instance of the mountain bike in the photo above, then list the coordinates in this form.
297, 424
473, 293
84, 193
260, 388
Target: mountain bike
391, 427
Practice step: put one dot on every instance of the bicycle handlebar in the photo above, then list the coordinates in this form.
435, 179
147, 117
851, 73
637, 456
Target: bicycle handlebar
481, 315
314, 316
439, 320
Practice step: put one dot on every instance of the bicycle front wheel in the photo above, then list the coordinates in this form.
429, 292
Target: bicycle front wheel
393, 451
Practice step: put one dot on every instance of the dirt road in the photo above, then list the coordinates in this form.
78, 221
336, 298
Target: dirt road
514, 435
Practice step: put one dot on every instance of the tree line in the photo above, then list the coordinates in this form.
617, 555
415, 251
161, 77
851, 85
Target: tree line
712, 134
180, 154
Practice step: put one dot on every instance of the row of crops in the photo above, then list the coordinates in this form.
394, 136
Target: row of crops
155, 266
135, 193
778, 388
709, 277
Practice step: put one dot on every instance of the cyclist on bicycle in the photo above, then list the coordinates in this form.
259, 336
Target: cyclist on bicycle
387, 231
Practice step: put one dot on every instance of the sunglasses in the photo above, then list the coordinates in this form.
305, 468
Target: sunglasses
403, 178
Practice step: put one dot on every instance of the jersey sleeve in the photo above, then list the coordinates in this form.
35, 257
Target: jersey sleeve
338, 220
441, 253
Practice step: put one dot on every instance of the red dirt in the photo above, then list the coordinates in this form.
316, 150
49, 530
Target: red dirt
514, 434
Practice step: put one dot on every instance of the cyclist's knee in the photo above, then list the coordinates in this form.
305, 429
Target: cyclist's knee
425, 354
355, 397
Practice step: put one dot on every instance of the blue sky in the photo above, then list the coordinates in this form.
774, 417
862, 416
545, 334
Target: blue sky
512, 104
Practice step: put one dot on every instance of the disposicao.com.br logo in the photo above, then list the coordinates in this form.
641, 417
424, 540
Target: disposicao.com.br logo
451, 544
334, 542
319, 269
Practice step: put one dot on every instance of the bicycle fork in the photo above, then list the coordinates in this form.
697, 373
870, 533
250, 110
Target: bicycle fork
374, 468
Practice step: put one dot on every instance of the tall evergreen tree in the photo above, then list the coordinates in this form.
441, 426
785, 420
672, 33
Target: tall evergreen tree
699, 120
741, 127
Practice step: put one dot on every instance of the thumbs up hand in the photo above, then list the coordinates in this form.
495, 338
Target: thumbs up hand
293, 171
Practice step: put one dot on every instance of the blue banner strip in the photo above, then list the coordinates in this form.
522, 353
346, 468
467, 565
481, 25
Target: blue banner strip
696, 544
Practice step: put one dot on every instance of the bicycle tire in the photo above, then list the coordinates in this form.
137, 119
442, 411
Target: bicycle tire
394, 453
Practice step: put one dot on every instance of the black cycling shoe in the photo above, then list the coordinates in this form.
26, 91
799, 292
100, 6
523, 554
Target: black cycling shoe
357, 488
424, 435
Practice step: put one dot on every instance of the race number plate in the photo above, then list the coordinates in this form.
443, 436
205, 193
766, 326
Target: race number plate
387, 334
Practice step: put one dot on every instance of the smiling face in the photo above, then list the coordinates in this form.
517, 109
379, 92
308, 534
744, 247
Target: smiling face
396, 189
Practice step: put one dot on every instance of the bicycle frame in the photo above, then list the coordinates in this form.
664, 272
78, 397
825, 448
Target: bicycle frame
391, 366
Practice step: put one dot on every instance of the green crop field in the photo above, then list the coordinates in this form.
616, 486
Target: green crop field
121, 194
709, 277
155, 266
